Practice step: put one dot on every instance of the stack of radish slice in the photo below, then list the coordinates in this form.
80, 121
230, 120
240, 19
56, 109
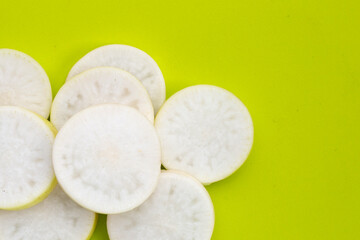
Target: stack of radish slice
108, 152
26, 168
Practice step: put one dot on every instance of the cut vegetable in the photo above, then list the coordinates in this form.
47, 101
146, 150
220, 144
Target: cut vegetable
26, 172
180, 208
107, 158
24, 83
128, 58
57, 217
97, 86
205, 131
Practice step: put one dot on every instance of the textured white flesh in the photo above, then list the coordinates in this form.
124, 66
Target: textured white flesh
205, 131
107, 158
55, 218
24, 83
179, 209
26, 170
97, 86
130, 59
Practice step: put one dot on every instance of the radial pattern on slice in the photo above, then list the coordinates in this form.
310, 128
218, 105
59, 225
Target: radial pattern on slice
26, 172
97, 86
205, 131
107, 158
180, 208
56, 218
128, 58
24, 83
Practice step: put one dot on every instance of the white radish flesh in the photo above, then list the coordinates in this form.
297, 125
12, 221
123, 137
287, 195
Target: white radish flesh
55, 218
26, 170
179, 209
97, 86
205, 131
24, 83
130, 59
107, 158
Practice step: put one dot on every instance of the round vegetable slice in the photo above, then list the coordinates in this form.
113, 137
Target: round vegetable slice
180, 208
57, 217
97, 86
128, 58
26, 172
205, 131
107, 158
24, 83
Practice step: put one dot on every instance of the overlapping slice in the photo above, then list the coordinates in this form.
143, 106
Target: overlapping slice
24, 83
130, 59
205, 131
107, 158
26, 172
97, 86
180, 208
57, 217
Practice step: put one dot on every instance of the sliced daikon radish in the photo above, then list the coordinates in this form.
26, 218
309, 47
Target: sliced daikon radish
24, 83
57, 217
128, 58
180, 208
26, 172
97, 86
205, 131
107, 158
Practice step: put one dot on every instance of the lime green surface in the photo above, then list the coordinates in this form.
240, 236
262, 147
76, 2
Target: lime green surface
295, 64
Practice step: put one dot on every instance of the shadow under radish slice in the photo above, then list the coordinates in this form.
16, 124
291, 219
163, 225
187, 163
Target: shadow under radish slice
24, 83
57, 217
107, 158
205, 131
130, 59
98, 86
180, 208
26, 171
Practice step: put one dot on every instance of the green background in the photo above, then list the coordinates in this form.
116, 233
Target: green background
295, 64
